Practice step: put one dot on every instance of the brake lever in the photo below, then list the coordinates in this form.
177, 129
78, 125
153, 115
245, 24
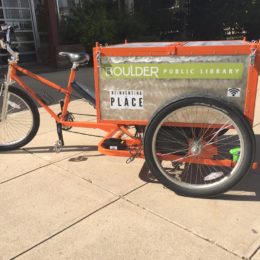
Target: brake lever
2, 44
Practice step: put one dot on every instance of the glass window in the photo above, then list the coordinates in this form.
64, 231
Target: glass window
65, 6
15, 3
24, 36
1, 14
63, 3
25, 47
23, 25
17, 14
38, 2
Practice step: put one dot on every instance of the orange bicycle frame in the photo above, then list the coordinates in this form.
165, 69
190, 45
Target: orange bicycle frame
111, 129
66, 91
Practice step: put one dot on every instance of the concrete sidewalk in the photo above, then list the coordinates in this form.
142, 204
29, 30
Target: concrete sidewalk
79, 204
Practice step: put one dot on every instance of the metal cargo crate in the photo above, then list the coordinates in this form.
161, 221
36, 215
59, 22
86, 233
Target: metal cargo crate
133, 80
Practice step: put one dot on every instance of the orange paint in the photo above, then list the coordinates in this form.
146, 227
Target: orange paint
119, 128
68, 94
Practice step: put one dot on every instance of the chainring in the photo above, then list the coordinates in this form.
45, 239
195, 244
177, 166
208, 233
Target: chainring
69, 118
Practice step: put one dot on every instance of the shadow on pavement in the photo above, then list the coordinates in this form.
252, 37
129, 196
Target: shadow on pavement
75, 132
247, 190
82, 158
250, 184
48, 149
146, 175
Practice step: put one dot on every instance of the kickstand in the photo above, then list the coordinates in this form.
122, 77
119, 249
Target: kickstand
60, 143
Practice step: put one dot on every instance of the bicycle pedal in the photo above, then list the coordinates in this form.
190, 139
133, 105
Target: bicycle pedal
58, 146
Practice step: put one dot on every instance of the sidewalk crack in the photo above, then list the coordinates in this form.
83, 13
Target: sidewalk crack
118, 197
253, 249
97, 185
23, 174
208, 240
64, 229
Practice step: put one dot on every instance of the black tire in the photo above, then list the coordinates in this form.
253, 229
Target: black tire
23, 119
194, 179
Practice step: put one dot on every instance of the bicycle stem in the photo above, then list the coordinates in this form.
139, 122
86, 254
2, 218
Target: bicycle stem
7, 47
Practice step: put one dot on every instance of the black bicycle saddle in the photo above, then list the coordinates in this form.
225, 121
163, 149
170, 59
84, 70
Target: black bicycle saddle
80, 57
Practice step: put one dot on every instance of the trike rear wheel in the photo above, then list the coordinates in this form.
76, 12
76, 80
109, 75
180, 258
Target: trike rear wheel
199, 146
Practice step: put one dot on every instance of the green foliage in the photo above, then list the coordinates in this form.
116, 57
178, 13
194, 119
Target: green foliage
94, 24
203, 23
89, 23
252, 21
99, 21
107, 21
132, 27
210, 19
67, 31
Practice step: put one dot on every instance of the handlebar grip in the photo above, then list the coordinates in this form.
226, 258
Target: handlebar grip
6, 27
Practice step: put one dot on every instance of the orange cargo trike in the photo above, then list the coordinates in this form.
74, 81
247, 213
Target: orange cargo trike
186, 107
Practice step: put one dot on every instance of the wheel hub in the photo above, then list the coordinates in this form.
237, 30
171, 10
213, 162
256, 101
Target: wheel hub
196, 148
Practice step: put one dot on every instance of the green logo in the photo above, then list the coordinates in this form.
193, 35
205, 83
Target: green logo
174, 71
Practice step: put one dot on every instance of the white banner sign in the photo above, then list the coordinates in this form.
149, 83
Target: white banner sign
126, 99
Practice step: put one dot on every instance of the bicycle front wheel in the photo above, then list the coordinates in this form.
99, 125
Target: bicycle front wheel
199, 146
21, 121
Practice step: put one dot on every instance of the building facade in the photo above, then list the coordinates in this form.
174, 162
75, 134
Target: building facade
37, 36
37, 20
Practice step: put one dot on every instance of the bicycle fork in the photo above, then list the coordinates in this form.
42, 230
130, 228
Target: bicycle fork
4, 96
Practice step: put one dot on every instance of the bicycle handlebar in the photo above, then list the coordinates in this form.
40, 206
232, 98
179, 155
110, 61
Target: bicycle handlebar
7, 30
6, 42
